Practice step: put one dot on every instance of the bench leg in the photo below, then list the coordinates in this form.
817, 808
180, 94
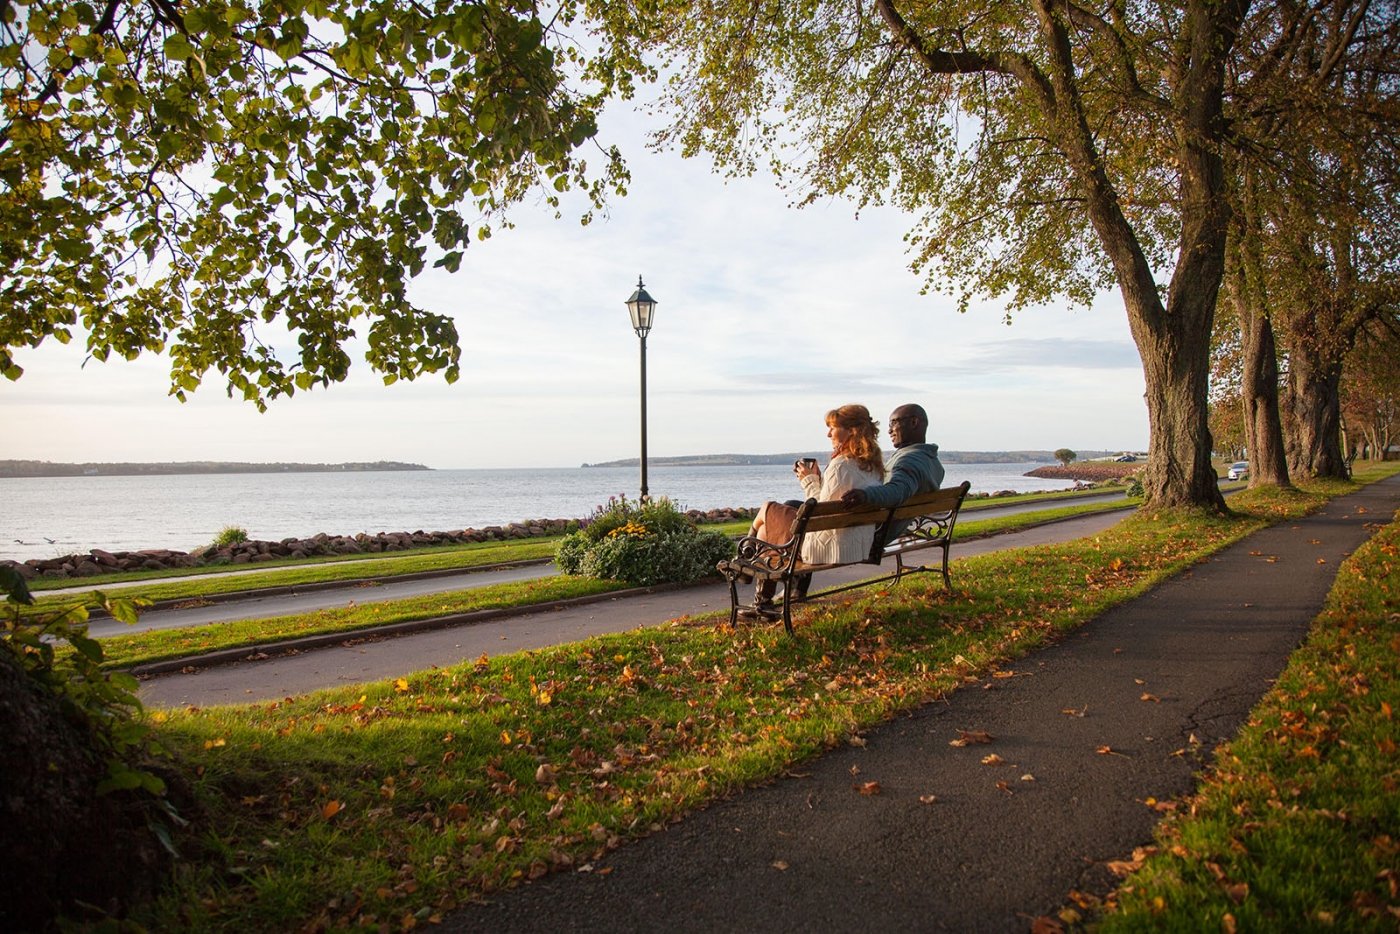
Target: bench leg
733, 600
947, 580
787, 605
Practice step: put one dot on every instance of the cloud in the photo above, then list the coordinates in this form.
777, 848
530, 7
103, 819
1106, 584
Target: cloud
1056, 353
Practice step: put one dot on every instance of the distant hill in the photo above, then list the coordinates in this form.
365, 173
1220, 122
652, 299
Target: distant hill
947, 457
15, 468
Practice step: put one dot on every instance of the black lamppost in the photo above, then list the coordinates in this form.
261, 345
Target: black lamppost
642, 308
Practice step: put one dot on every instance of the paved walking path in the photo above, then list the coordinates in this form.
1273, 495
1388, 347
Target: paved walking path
274, 678
996, 848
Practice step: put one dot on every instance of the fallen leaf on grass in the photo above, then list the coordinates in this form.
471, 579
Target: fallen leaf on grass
331, 809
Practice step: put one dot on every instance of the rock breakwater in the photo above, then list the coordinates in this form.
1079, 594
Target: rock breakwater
1091, 472
97, 561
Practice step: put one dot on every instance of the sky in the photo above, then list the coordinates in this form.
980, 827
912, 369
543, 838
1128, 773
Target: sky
767, 317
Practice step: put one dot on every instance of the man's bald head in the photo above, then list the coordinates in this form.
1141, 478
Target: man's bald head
908, 425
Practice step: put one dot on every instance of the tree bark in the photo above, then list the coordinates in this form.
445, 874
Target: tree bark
1173, 339
1314, 418
1263, 426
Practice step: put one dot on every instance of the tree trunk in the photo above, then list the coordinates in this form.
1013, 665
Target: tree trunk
1176, 367
1173, 338
1314, 416
1263, 427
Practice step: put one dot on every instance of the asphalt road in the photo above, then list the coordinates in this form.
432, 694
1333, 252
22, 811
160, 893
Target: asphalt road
272, 678
1124, 710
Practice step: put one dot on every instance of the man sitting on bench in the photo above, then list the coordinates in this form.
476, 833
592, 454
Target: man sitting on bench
913, 469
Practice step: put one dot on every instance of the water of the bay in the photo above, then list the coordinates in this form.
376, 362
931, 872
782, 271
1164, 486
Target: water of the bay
49, 516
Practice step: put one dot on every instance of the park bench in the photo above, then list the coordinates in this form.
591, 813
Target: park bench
930, 518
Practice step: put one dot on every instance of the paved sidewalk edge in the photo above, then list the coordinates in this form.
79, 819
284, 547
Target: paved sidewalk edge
259, 651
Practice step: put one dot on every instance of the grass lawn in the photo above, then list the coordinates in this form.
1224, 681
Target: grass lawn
390, 803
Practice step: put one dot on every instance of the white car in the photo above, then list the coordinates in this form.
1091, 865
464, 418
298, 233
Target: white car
1239, 470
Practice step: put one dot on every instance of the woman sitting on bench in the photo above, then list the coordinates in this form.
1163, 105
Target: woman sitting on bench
856, 462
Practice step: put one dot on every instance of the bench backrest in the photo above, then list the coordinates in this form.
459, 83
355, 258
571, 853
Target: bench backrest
937, 503
924, 512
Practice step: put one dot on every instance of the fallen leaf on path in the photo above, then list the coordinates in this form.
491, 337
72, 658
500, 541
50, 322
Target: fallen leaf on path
1150, 697
868, 788
1028, 777
1071, 712
927, 799
993, 759
1004, 786
779, 864
1003, 674
971, 738
1109, 751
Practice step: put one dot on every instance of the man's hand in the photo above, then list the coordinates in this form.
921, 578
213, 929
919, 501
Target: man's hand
853, 497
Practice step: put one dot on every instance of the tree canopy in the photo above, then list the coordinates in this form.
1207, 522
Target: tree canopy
1046, 149
247, 185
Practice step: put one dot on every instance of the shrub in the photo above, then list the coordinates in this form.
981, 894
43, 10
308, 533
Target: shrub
641, 543
230, 535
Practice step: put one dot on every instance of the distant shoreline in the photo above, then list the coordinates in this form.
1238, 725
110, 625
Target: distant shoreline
745, 460
20, 468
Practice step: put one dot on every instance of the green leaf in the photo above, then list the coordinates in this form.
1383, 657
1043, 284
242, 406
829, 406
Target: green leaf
177, 47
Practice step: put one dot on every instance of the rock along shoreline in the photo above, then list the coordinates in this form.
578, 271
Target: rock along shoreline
98, 561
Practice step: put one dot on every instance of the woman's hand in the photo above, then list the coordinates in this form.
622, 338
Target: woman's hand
806, 468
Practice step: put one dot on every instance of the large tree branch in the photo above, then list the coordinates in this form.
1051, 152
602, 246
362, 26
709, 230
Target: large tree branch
1126, 68
944, 62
